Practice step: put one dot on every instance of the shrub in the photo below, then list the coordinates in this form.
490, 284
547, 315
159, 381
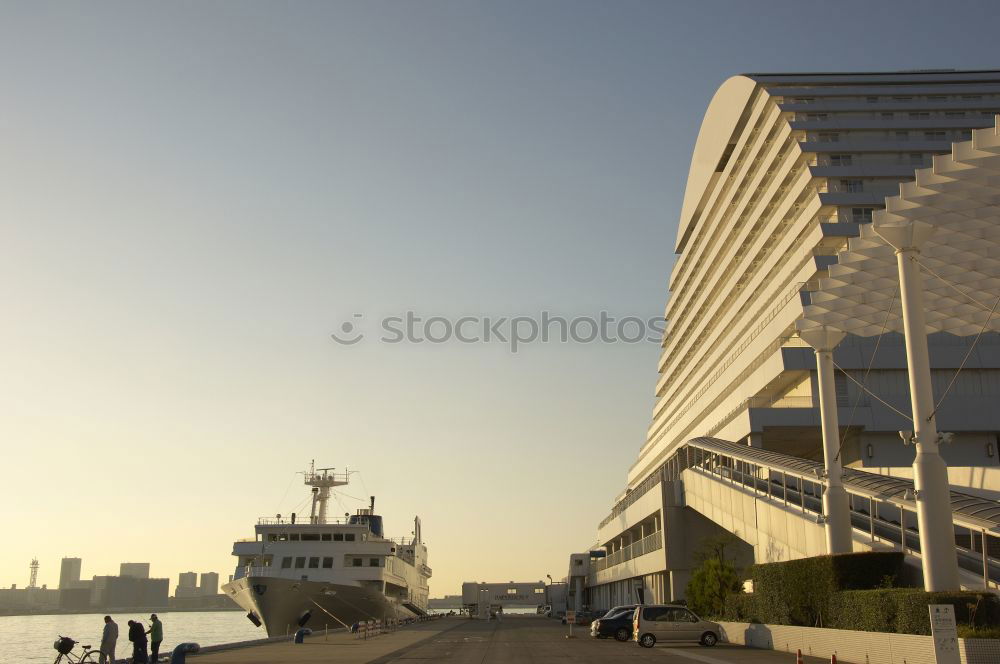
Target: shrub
710, 584
799, 592
899, 610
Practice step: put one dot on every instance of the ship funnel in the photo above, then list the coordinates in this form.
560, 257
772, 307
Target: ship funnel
373, 504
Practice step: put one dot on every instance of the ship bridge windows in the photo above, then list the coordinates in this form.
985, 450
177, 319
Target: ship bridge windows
294, 537
352, 562
348, 537
286, 562
300, 562
327, 562
338, 537
374, 562
310, 537
314, 562
325, 537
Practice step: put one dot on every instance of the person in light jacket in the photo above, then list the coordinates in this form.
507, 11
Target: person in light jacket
109, 639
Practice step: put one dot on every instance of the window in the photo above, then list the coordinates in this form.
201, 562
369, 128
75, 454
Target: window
294, 537
310, 537
338, 537
286, 562
965, 134
972, 97
313, 562
861, 215
955, 114
283, 537
902, 135
348, 537
539, 591
852, 186
803, 100
817, 116
373, 562
829, 137
657, 613
272, 537
327, 562
936, 97
919, 115
871, 100
916, 158
325, 537
888, 115
902, 99
577, 562
934, 136
512, 591
356, 562
300, 562
840, 160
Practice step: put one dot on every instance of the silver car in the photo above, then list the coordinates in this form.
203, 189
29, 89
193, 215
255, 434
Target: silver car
665, 622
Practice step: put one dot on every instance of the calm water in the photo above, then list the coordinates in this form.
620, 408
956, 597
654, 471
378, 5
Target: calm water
29, 638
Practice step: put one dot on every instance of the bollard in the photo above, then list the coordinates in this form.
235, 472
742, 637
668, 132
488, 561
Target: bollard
301, 634
179, 652
798, 656
833, 658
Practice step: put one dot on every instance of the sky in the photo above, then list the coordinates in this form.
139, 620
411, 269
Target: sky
195, 196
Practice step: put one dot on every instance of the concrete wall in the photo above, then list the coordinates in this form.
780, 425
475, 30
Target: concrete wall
776, 532
855, 647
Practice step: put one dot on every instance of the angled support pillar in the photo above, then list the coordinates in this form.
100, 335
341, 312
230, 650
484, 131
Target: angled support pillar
930, 473
836, 503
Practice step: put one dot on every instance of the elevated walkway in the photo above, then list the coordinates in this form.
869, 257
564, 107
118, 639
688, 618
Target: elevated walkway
774, 502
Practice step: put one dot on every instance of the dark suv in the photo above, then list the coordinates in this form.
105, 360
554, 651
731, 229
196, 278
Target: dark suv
617, 623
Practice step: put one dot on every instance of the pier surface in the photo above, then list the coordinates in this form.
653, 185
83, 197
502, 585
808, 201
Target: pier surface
514, 640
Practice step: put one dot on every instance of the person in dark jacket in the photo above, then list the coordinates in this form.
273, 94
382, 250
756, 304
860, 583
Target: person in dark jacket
137, 635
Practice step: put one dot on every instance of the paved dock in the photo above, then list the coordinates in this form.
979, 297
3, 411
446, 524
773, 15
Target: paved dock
514, 640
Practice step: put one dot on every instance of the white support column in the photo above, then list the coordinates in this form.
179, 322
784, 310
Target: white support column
836, 504
930, 473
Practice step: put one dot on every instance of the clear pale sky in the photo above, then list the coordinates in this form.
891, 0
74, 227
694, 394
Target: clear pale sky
193, 196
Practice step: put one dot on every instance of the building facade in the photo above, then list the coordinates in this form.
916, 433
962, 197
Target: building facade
135, 570
785, 170
69, 572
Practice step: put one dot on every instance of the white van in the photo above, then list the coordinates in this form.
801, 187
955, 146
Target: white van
665, 622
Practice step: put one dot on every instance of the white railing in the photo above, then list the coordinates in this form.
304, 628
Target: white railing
301, 521
647, 544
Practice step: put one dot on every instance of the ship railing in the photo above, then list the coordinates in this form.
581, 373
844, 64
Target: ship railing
300, 521
257, 571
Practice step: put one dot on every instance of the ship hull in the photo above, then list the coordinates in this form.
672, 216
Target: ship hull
280, 604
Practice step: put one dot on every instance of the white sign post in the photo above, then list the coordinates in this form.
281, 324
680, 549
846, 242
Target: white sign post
570, 620
944, 633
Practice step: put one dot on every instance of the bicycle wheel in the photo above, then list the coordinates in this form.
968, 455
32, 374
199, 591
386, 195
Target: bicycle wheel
92, 657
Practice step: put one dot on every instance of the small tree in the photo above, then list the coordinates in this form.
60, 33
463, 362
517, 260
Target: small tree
712, 581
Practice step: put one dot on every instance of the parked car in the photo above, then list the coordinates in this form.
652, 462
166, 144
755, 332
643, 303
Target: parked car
667, 622
619, 609
617, 625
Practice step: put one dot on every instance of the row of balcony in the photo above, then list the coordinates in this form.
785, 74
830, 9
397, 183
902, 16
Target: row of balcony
647, 544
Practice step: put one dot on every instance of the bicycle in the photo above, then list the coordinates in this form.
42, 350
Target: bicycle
64, 645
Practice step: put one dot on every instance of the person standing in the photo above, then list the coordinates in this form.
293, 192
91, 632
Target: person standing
109, 639
138, 638
155, 632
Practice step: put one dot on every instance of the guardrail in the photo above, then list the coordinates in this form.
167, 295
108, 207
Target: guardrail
647, 544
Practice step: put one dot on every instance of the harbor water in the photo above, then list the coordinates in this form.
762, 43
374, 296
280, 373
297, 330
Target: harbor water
28, 639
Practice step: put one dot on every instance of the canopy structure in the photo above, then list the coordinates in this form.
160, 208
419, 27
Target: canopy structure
929, 262
959, 199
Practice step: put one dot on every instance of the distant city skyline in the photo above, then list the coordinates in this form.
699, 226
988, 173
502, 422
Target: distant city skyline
194, 197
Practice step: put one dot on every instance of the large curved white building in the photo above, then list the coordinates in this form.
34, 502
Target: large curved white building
785, 169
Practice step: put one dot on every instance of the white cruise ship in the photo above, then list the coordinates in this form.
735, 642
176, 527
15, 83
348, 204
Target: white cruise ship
316, 570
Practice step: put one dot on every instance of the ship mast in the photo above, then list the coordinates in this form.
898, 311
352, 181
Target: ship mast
321, 480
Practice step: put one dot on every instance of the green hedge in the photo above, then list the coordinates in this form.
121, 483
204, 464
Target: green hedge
798, 592
900, 610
